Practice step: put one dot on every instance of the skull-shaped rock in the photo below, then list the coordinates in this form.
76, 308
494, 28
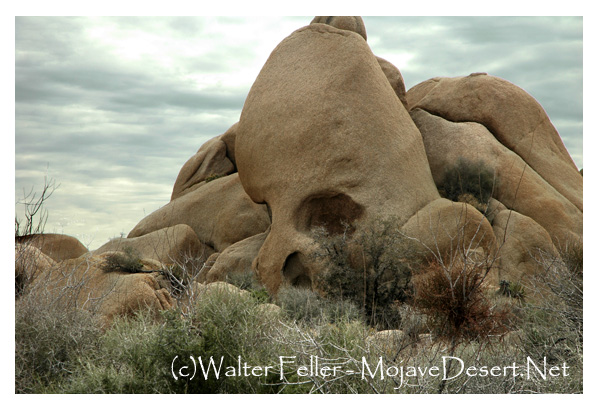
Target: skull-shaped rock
324, 141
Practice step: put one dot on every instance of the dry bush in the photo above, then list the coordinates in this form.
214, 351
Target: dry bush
51, 333
555, 319
35, 216
453, 298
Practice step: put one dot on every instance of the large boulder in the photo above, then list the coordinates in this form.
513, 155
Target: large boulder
512, 116
84, 283
171, 245
215, 158
518, 186
219, 212
324, 141
59, 247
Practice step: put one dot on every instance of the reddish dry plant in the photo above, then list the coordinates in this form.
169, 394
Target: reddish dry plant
453, 299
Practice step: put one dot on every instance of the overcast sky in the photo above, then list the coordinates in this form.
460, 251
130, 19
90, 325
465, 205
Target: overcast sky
111, 108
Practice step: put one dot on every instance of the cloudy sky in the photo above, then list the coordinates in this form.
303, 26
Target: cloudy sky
111, 108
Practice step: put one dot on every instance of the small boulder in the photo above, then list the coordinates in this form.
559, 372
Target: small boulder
350, 23
523, 244
235, 259
210, 162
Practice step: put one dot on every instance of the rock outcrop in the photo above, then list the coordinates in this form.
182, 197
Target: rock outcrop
518, 186
524, 245
214, 159
84, 283
324, 141
235, 259
512, 116
328, 138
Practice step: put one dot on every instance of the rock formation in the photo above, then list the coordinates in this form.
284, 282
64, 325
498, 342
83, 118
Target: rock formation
328, 137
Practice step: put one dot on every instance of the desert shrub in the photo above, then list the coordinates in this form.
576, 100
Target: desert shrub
572, 256
452, 297
370, 269
49, 340
302, 304
135, 356
471, 182
243, 280
213, 177
511, 289
247, 281
554, 322
127, 261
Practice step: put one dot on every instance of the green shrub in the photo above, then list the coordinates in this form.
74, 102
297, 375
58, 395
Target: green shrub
247, 281
127, 261
135, 356
472, 182
370, 269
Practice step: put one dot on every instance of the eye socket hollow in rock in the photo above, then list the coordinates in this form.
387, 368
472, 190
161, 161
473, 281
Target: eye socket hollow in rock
333, 211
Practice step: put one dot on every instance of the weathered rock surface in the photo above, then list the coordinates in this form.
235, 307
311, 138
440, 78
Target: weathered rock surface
235, 259
395, 80
171, 245
324, 140
451, 230
514, 117
215, 158
521, 242
59, 247
219, 212
350, 23
519, 187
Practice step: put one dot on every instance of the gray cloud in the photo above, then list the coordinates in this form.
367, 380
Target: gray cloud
111, 108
